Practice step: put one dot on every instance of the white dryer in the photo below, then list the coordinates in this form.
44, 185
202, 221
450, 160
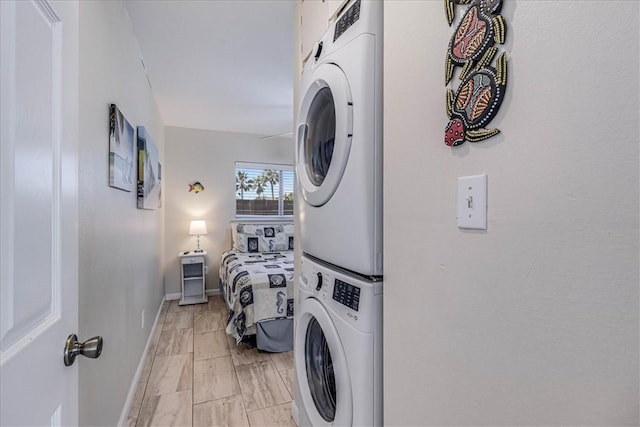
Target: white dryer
337, 348
339, 143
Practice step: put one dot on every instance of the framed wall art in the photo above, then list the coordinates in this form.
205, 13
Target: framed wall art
159, 185
121, 151
148, 171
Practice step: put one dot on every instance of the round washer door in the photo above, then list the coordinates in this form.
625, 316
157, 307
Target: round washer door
321, 367
324, 134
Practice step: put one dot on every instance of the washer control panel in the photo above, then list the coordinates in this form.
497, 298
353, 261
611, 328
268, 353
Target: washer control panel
346, 294
349, 18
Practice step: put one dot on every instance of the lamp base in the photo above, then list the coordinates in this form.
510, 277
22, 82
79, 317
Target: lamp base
198, 250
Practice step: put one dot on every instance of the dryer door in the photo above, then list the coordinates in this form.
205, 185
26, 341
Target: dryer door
324, 134
321, 367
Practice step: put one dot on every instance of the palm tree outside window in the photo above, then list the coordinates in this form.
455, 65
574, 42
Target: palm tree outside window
263, 189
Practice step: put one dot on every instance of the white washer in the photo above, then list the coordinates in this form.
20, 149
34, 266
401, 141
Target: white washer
339, 143
337, 348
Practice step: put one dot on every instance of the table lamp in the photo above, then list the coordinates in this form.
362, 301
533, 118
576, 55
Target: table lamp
198, 228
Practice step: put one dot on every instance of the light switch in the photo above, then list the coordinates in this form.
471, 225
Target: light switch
472, 202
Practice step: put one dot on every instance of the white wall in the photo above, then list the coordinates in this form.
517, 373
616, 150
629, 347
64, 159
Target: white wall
121, 246
534, 321
207, 156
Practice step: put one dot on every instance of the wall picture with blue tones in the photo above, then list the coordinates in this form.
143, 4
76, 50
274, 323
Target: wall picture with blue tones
148, 171
121, 151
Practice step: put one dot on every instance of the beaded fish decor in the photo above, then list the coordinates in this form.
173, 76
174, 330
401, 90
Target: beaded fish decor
478, 97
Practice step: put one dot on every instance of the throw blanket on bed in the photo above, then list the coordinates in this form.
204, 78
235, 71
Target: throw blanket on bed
257, 286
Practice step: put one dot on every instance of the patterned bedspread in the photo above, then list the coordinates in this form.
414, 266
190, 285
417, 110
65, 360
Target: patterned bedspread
257, 286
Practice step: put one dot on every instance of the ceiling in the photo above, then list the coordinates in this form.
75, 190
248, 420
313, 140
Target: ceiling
219, 64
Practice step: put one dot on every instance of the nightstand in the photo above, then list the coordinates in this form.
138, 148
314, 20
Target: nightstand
193, 267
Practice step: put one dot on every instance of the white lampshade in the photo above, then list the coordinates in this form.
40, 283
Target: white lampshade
198, 227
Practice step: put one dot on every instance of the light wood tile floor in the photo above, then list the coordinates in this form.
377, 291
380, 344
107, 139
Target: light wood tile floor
195, 375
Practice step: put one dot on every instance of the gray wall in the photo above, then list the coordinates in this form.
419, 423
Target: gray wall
534, 321
208, 157
120, 264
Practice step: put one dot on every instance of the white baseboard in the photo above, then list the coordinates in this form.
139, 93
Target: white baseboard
134, 383
171, 297
213, 292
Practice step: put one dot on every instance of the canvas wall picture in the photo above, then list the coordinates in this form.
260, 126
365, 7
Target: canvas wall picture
159, 185
121, 151
148, 171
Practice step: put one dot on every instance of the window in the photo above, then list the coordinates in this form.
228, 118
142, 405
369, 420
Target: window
264, 189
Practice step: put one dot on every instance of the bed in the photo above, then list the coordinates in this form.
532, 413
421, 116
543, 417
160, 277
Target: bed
256, 279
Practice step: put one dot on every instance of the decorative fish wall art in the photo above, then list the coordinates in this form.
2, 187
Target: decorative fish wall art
478, 96
196, 187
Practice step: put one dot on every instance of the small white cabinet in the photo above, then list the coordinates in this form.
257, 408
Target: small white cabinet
193, 269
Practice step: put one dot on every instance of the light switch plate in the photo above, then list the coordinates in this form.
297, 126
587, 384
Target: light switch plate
472, 202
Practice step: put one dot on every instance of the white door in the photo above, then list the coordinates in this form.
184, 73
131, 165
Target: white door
324, 134
38, 207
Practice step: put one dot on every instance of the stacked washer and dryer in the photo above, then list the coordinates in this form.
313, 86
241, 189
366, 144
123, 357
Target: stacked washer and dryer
338, 329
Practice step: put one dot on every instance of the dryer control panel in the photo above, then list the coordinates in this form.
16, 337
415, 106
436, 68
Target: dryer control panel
346, 294
349, 18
